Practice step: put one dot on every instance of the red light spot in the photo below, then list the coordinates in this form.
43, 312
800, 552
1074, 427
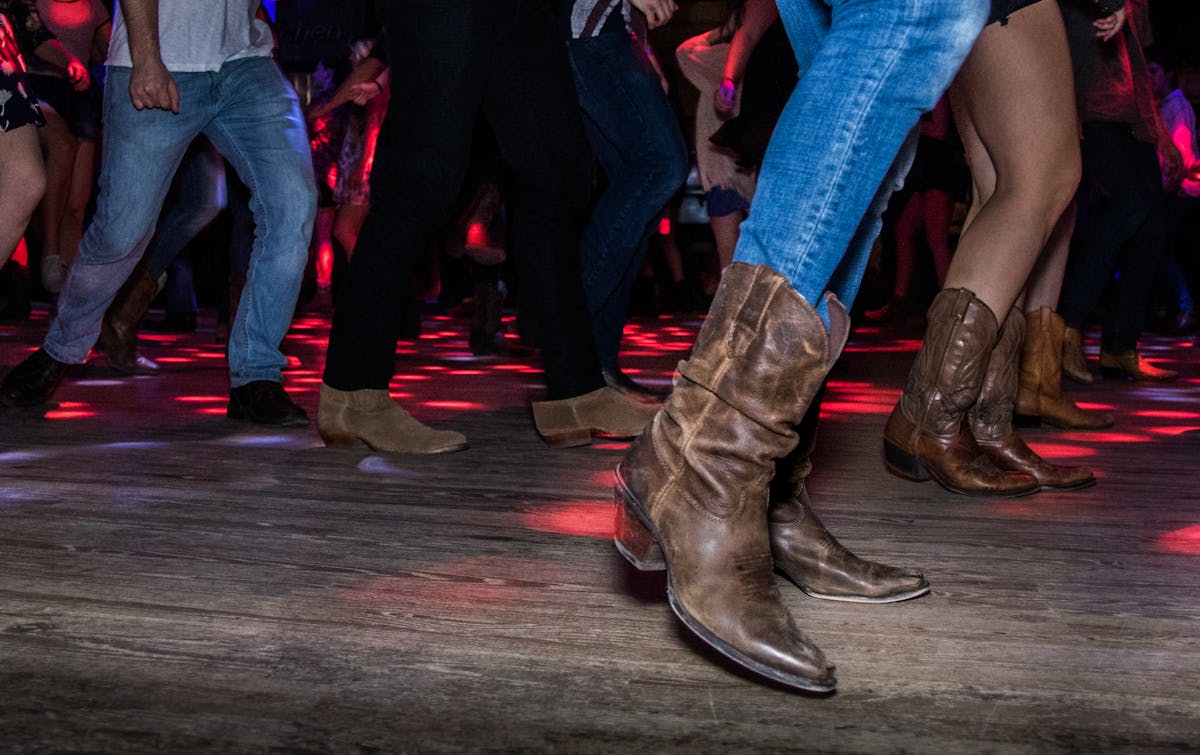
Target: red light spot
1093, 406
1186, 541
202, 399
664, 226
1176, 430
1167, 414
1061, 450
213, 410
21, 254
856, 407
461, 405
404, 378
72, 414
1103, 437
467, 372
578, 518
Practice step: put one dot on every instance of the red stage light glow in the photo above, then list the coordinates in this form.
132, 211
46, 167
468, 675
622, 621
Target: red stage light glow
460, 405
576, 518
1185, 541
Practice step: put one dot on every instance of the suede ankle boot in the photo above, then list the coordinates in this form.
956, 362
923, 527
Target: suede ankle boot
1039, 393
808, 554
348, 418
991, 417
605, 412
926, 435
692, 492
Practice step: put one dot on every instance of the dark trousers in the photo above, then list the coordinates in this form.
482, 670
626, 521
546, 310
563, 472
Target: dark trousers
452, 61
1123, 229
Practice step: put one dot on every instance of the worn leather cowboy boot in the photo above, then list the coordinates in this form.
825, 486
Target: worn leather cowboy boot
1039, 393
119, 329
926, 435
991, 417
808, 554
1074, 364
695, 484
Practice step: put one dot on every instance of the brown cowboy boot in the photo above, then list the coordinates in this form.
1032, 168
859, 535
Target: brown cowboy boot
119, 329
808, 554
991, 417
370, 417
1039, 393
696, 482
926, 435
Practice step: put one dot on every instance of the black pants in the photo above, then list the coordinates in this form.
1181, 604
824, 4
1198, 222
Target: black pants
451, 61
1123, 229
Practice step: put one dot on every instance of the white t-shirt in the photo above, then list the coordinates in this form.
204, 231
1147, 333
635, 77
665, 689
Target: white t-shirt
199, 36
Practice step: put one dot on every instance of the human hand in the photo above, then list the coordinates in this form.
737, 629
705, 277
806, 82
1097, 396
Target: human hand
657, 12
151, 86
1109, 26
363, 93
77, 74
725, 98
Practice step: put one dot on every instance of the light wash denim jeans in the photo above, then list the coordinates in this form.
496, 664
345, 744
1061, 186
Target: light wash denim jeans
868, 70
636, 137
248, 111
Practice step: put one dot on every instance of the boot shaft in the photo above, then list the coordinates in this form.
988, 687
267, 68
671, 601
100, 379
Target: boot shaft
991, 416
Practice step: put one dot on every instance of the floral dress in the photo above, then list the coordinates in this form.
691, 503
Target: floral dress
20, 28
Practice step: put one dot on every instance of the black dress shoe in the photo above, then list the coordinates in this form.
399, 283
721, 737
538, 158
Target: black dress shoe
264, 402
33, 381
616, 379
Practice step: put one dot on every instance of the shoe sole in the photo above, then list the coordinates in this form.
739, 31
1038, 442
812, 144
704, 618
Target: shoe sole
915, 592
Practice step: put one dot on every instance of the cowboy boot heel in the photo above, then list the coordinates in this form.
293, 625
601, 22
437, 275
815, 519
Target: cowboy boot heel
903, 463
632, 536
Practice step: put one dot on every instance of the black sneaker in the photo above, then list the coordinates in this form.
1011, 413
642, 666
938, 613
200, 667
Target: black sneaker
264, 402
33, 381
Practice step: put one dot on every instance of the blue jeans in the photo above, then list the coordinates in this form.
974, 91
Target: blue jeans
868, 69
637, 139
248, 111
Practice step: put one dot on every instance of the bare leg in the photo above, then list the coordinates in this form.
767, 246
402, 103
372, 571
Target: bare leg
347, 224
70, 229
22, 183
1045, 282
59, 147
1024, 159
726, 230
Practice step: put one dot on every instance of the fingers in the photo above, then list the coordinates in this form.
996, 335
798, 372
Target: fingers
154, 91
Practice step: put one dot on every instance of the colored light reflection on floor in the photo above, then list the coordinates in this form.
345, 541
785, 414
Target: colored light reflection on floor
578, 518
70, 410
1186, 541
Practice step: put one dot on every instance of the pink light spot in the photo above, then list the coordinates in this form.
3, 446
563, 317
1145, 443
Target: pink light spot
1061, 450
1103, 437
1176, 429
1185, 541
202, 399
578, 518
459, 405
1167, 414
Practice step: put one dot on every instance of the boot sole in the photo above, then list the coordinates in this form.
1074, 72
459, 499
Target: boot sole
911, 467
634, 525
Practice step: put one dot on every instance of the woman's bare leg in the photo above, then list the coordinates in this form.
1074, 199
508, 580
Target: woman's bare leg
22, 183
1015, 106
59, 147
70, 229
1045, 282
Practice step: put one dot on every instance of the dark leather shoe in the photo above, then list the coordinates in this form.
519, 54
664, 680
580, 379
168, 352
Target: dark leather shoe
33, 381
264, 402
618, 380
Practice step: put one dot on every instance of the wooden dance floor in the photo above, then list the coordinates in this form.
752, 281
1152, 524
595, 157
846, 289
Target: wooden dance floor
172, 581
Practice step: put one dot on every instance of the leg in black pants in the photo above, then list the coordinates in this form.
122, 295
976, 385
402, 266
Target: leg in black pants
1124, 231
452, 60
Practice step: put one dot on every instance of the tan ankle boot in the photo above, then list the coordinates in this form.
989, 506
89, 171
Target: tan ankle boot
605, 412
1039, 393
991, 417
347, 418
926, 435
808, 554
692, 492
1074, 365
1132, 365
119, 329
